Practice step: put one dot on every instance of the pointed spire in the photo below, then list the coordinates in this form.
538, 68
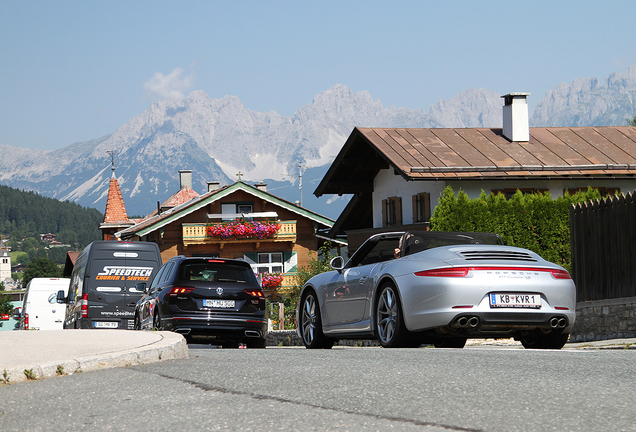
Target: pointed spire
115, 208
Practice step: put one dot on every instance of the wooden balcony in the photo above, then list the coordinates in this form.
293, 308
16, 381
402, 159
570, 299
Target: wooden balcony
196, 233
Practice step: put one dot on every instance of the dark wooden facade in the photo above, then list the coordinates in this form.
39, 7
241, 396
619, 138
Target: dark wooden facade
603, 243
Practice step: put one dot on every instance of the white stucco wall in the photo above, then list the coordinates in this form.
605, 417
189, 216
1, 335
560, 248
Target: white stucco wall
387, 184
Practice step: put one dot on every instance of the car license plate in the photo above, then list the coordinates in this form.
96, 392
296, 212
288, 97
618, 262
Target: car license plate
515, 300
105, 324
219, 303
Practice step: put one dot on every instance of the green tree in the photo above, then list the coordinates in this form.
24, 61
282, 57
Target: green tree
40, 267
631, 121
6, 307
317, 264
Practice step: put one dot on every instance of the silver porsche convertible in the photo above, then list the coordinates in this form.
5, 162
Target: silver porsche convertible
406, 289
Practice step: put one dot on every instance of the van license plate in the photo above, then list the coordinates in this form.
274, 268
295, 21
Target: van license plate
106, 324
515, 300
218, 303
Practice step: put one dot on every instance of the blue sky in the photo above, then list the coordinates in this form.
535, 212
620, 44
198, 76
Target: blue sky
71, 71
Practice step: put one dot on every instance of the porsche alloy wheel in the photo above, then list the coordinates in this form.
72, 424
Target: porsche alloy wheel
389, 324
311, 325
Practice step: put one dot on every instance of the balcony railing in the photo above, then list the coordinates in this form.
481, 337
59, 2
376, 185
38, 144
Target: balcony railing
196, 233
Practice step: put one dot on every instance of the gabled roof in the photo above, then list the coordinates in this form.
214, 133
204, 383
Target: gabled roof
115, 214
158, 221
471, 153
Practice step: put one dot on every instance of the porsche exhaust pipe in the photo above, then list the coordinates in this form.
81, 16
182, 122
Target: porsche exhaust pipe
473, 322
252, 333
183, 331
558, 323
465, 321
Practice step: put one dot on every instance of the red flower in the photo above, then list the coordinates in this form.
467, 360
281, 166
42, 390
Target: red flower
239, 229
271, 280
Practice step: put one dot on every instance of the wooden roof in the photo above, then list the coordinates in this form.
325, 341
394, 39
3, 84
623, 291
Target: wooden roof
471, 153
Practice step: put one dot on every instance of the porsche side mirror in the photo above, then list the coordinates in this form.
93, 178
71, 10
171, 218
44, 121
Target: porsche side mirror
141, 287
337, 263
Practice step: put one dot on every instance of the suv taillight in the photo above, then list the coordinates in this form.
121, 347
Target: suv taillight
26, 321
254, 293
84, 305
180, 291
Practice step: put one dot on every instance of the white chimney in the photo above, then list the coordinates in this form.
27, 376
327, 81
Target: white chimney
515, 117
213, 185
185, 178
261, 186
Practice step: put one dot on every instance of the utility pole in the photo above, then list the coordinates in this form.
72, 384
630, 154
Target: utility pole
300, 183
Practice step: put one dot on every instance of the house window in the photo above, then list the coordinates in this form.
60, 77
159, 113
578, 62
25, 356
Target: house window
234, 208
422, 207
604, 191
392, 211
270, 263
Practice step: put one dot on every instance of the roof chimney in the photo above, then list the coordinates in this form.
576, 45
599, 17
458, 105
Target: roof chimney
515, 117
185, 178
261, 186
213, 185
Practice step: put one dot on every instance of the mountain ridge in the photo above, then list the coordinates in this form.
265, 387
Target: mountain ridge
218, 138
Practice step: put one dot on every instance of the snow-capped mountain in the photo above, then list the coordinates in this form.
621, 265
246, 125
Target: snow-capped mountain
217, 138
589, 102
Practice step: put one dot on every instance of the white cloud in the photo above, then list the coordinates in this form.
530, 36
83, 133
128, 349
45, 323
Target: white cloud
171, 86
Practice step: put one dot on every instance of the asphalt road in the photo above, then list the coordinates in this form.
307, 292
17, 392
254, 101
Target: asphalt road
344, 389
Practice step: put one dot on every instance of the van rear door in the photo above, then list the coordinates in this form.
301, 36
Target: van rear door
111, 301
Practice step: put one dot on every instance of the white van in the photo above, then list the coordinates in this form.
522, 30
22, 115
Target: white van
40, 309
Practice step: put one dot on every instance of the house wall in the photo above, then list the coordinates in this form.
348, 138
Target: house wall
386, 184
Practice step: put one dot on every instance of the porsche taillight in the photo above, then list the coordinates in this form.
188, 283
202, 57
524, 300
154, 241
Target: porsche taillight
463, 271
560, 274
445, 272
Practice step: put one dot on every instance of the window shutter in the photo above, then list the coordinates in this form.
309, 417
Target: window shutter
415, 202
251, 257
384, 212
398, 211
426, 197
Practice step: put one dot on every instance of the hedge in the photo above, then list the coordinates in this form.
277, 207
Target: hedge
531, 221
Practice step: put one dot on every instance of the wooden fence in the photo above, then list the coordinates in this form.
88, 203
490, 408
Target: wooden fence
603, 243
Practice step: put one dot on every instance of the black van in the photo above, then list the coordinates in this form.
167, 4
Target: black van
102, 291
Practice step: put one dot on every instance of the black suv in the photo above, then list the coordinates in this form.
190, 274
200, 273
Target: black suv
211, 299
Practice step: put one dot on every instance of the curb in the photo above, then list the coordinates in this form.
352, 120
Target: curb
171, 346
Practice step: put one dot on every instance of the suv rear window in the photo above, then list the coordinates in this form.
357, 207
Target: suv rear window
215, 271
